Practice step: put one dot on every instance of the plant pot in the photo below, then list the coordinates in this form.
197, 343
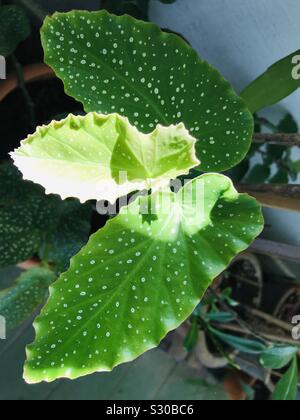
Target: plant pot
32, 73
245, 278
49, 99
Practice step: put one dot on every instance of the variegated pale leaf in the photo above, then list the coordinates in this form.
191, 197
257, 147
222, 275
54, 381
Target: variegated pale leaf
103, 157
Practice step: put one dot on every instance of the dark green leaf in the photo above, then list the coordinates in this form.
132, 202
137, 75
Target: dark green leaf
296, 166
242, 344
248, 390
119, 64
281, 177
274, 85
239, 172
259, 174
15, 27
24, 297
71, 233
278, 357
286, 388
135, 8
288, 125
29, 220
25, 216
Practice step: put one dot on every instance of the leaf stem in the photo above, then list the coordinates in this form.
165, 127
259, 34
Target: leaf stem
25, 93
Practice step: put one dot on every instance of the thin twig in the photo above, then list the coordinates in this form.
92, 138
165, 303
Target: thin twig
281, 196
269, 318
291, 191
289, 140
246, 328
269, 337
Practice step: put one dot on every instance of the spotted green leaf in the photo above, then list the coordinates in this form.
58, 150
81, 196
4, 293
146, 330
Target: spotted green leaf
103, 157
23, 298
71, 233
15, 27
32, 223
140, 277
119, 64
23, 211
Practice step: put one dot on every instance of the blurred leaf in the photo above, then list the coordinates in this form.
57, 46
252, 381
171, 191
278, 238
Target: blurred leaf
281, 177
242, 344
226, 294
257, 125
238, 172
192, 336
248, 390
15, 27
222, 317
29, 219
296, 166
278, 357
288, 125
71, 233
25, 216
135, 8
23, 298
259, 174
286, 388
272, 86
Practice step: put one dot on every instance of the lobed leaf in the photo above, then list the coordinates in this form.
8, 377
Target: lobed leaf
88, 157
23, 298
140, 277
119, 64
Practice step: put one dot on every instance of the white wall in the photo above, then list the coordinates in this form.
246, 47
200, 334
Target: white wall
241, 38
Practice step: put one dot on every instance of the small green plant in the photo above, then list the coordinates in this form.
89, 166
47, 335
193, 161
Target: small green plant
217, 311
145, 272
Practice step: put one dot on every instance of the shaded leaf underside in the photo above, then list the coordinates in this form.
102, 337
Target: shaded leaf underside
29, 291
103, 157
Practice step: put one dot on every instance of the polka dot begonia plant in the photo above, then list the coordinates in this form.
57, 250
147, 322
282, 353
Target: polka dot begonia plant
155, 110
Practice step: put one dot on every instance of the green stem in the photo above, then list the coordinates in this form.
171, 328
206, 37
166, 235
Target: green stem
25, 93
